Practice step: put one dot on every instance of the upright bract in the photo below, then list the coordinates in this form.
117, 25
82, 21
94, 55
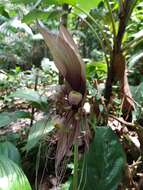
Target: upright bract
66, 57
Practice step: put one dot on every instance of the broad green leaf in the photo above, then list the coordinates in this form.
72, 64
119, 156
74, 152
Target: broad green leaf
23, 1
11, 176
8, 117
49, 2
137, 92
60, 2
103, 165
34, 14
83, 4
9, 150
3, 11
5, 119
42, 15
96, 70
21, 114
30, 95
88, 5
37, 132
27, 94
135, 59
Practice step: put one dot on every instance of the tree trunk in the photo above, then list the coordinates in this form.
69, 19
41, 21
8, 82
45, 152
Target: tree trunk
118, 69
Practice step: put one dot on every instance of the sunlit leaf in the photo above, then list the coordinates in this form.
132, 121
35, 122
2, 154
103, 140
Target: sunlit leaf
27, 94
137, 92
23, 1
11, 176
30, 95
60, 2
32, 15
42, 15
103, 165
7, 117
88, 5
37, 132
3, 11
135, 59
9, 150
97, 70
49, 2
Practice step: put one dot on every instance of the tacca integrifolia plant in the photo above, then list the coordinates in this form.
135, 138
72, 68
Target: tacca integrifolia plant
71, 119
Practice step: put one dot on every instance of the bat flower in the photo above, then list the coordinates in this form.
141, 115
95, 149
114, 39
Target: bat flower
72, 122
66, 57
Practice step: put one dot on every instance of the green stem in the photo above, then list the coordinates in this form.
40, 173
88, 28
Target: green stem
98, 38
83, 175
98, 25
37, 166
35, 88
75, 175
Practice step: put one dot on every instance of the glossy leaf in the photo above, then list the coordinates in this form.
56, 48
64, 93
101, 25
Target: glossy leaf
88, 5
49, 2
103, 165
137, 92
96, 70
30, 95
27, 94
60, 2
11, 176
23, 1
3, 11
9, 150
37, 132
32, 15
42, 15
135, 59
8, 117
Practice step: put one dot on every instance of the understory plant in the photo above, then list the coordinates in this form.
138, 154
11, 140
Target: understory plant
74, 126
95, 151
71, 118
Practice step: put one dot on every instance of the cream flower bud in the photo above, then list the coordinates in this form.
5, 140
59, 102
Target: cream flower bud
74, 98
